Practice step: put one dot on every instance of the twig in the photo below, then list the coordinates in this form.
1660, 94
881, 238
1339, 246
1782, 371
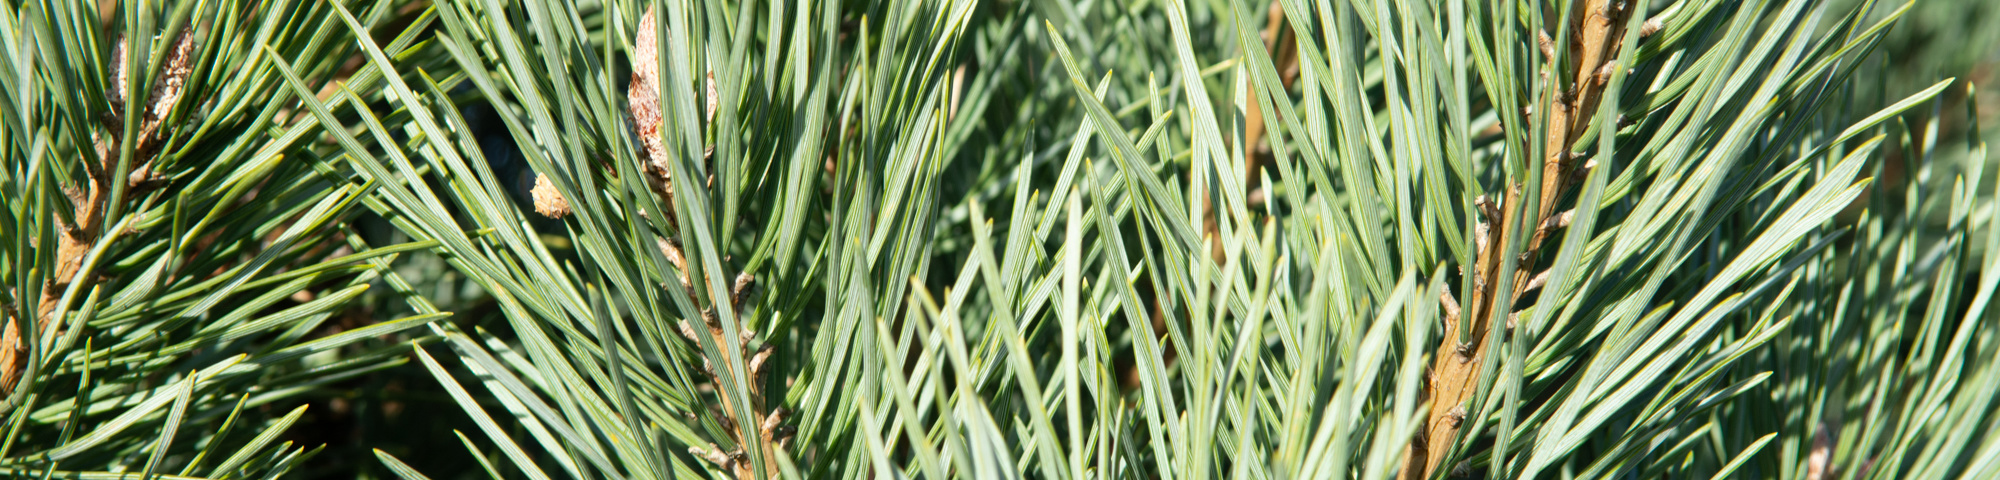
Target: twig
75, 240
1597, 27
770, 436
643, 101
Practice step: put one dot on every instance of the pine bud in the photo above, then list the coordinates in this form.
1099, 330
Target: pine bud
549, 202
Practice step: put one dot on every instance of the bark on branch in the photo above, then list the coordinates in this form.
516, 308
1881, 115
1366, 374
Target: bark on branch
762, 431
1569, 99
92, 200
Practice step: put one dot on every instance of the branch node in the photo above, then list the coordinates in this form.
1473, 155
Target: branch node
761, 359
143, 179
1488, 207
687, 330
1548, 45
774, 429
1450, 304
745, 290
1560, 220
714, 455
783, 435
714, 324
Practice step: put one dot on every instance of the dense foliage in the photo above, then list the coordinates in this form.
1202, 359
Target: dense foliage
996, 239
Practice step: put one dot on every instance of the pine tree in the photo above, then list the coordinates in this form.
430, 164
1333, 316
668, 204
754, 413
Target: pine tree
1003, 239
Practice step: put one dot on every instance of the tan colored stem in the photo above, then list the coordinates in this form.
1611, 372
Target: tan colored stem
1570, 102
1278, 42
75, 241
771, 435
1285, 56
760, 431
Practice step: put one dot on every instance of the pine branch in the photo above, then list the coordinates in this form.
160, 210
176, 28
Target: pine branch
76, 240
772, 434
1597, 27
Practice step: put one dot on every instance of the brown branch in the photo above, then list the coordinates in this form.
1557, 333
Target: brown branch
771, 436
1284, 53
1280, 43
643, 101
1569, 100
761, 431
75, 240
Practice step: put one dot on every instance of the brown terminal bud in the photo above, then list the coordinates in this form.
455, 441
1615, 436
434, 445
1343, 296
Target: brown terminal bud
549, 202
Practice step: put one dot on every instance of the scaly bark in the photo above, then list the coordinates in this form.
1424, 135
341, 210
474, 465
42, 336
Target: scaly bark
761, 428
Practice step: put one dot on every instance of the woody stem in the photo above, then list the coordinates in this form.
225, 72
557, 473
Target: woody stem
1568, 103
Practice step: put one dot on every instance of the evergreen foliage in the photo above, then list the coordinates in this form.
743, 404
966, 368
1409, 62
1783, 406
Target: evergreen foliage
996, 239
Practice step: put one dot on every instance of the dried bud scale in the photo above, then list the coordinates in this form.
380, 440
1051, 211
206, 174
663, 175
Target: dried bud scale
549, 202
115, 89
167, 90
643, 97
1652, 26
